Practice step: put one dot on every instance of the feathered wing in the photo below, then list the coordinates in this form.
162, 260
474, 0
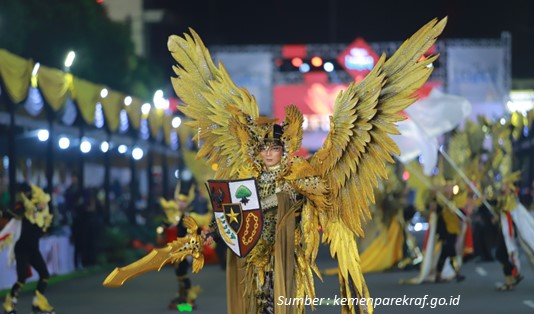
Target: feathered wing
219, 110
354, 155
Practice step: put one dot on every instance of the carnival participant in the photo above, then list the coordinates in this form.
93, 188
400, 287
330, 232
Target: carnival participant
448, 229
327, 194
175, 210
30, 220
507, 251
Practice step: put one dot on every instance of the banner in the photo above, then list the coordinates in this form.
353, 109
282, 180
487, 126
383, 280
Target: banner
253, 71
481, 75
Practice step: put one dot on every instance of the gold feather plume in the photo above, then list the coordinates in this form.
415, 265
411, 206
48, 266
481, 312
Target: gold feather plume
219, 110
351, 161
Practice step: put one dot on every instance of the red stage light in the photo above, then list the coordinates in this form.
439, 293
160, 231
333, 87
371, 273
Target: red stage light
296, 62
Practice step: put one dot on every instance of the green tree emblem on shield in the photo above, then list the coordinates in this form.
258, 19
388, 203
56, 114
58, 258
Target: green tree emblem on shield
243, 193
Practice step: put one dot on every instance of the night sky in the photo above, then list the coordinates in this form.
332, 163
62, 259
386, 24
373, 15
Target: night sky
221, 22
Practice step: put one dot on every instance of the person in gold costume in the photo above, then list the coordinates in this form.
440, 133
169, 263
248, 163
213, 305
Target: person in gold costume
305, 201
175, 210
507, 244
31, 219
448, 229
321, 199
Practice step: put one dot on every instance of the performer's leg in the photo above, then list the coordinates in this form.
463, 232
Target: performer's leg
441, 262
38, 263
21, 258
184, 285
10, 301
40, 303
501, 254
451, 253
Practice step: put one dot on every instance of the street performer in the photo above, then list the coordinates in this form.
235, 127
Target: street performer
328, 193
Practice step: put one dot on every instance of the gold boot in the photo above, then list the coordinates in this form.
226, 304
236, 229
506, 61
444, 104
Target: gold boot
10, 304
192, 295
40, 304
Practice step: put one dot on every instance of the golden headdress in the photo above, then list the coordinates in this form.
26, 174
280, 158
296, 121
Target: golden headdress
40, 216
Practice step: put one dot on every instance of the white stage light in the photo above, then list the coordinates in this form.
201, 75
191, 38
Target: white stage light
43, 135
64, 142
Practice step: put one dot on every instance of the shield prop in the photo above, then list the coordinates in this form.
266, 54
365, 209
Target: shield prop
237, 211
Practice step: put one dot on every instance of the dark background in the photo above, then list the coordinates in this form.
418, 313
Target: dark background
340, 21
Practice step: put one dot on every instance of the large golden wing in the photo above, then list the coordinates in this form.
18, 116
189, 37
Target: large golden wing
354, 155
219, 110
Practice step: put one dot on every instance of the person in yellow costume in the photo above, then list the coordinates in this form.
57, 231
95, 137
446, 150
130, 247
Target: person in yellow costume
325, 195
175, 210
448, 230
507, 246
31, 219
394, 245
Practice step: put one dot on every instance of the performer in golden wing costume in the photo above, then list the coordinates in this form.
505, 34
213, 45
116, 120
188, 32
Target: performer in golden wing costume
329, 191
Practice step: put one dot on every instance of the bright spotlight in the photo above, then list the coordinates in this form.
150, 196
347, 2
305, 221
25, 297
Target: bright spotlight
145, 108
127, 101
70, 59
64, 143
137, 153
122, 149
43, 135
104, 146
328, 66
85, 146
104, 93
159, 101
176, 121
158, 94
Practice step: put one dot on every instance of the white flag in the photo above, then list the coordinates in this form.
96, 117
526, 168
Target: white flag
428, 119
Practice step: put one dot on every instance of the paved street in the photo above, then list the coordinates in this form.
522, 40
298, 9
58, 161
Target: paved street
150, 292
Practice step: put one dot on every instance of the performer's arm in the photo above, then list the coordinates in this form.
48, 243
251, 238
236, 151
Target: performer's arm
17, 212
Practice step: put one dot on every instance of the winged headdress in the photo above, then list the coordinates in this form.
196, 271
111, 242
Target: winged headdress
351, 161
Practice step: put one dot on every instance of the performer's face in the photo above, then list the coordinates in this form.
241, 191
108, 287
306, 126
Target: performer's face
41, 206
182, 205
271, 155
